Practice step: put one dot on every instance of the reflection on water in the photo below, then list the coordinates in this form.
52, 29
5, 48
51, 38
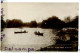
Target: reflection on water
28, 40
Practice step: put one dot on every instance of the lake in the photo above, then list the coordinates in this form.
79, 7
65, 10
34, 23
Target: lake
28, 40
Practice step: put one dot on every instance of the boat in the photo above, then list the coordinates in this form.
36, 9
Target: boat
38, 33
21, 32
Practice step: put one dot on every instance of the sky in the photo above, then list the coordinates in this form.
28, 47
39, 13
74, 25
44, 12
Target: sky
39, 11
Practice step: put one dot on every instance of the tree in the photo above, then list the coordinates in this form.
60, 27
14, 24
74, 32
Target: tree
67, 19
3, 23
33, 24
14, 23
52, 22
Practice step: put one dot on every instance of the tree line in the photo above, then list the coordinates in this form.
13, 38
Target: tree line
52, 22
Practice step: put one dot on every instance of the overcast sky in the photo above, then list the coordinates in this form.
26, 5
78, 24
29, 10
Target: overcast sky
38, 11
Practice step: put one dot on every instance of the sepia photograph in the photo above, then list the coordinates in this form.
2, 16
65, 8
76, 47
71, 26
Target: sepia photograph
39, 26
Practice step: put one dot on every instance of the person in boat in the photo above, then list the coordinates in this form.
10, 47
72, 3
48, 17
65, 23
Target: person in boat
38, 32
24, 30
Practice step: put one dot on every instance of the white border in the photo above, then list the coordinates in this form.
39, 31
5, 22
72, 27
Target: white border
41, 0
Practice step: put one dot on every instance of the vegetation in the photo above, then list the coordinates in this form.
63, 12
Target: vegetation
52, 22
3, 23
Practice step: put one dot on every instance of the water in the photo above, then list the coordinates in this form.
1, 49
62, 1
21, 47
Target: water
28, 40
